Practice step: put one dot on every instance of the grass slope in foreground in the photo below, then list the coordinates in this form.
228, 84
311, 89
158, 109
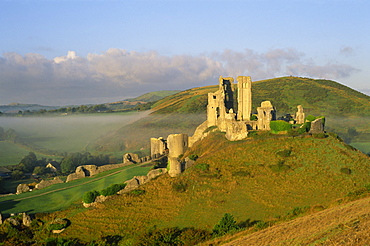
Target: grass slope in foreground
240, 178
61, 196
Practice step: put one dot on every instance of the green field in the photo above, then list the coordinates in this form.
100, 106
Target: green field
46, 200
62, 133
11, 154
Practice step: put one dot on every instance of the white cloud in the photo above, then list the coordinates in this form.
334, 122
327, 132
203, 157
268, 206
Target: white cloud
70, 56
118, 74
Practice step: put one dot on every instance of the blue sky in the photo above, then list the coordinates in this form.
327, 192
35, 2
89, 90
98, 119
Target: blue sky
78, 52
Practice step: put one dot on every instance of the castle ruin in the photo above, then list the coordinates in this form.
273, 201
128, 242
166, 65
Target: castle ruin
227, 115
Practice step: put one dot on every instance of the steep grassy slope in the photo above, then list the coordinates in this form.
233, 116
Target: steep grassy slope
343, 107
346, 224
240, 178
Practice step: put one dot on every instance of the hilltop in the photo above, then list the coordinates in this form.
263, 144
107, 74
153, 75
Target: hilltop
248, 179
182, 112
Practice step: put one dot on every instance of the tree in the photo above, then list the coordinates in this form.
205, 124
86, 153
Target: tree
225, 225
67, 165
1, 133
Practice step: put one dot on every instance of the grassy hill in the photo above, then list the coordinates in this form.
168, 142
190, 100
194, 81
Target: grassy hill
346, 224
248, 179
343, 107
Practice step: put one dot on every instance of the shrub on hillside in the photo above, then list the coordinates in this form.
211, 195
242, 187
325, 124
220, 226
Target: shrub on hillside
280, 126
193, 157
284, 153
305, 127
345, 170
202, 166
112, 189
58, 224
310, 118
90, 196
137, 192
225, 225
180, 186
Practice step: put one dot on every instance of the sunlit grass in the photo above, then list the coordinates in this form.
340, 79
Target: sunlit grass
61, 196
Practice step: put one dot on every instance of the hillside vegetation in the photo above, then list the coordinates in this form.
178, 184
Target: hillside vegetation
343, 107
249, 179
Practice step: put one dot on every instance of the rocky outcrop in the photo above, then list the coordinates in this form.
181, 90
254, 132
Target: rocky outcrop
131, 158
46, 183
136, 181
26, 220
12, 221
21, 188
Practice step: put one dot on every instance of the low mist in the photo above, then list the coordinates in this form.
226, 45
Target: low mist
70, 133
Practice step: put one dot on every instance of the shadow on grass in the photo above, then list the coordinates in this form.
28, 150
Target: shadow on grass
8, 205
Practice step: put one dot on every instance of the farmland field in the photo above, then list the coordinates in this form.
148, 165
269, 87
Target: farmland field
61, 133
45, 200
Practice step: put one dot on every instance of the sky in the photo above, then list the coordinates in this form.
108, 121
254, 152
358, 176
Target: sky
70, 52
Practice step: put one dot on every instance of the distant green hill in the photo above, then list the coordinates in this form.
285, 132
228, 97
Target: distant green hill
343, 107
318, 97
152, 96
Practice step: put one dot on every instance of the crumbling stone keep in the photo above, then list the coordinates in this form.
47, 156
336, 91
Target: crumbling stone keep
177, 145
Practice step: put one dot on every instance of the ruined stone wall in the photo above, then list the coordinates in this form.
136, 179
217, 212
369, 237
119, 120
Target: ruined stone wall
244, 98
317, 126
236, 130
158, 146
220, 102
266, 113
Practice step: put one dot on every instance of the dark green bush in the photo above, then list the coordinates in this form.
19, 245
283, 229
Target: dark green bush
345, 170
310, 118
137, 192
202, 166
225, 225
166, 236
58, 224
192, 236
180, 186
253, 117
260, 225
90, 196
280, 126
284, 153
193, 157
304, 128
112, 189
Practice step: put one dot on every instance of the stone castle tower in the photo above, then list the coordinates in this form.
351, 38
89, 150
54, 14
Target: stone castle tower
244, 97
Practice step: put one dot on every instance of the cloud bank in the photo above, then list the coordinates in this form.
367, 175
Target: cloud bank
118, 74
